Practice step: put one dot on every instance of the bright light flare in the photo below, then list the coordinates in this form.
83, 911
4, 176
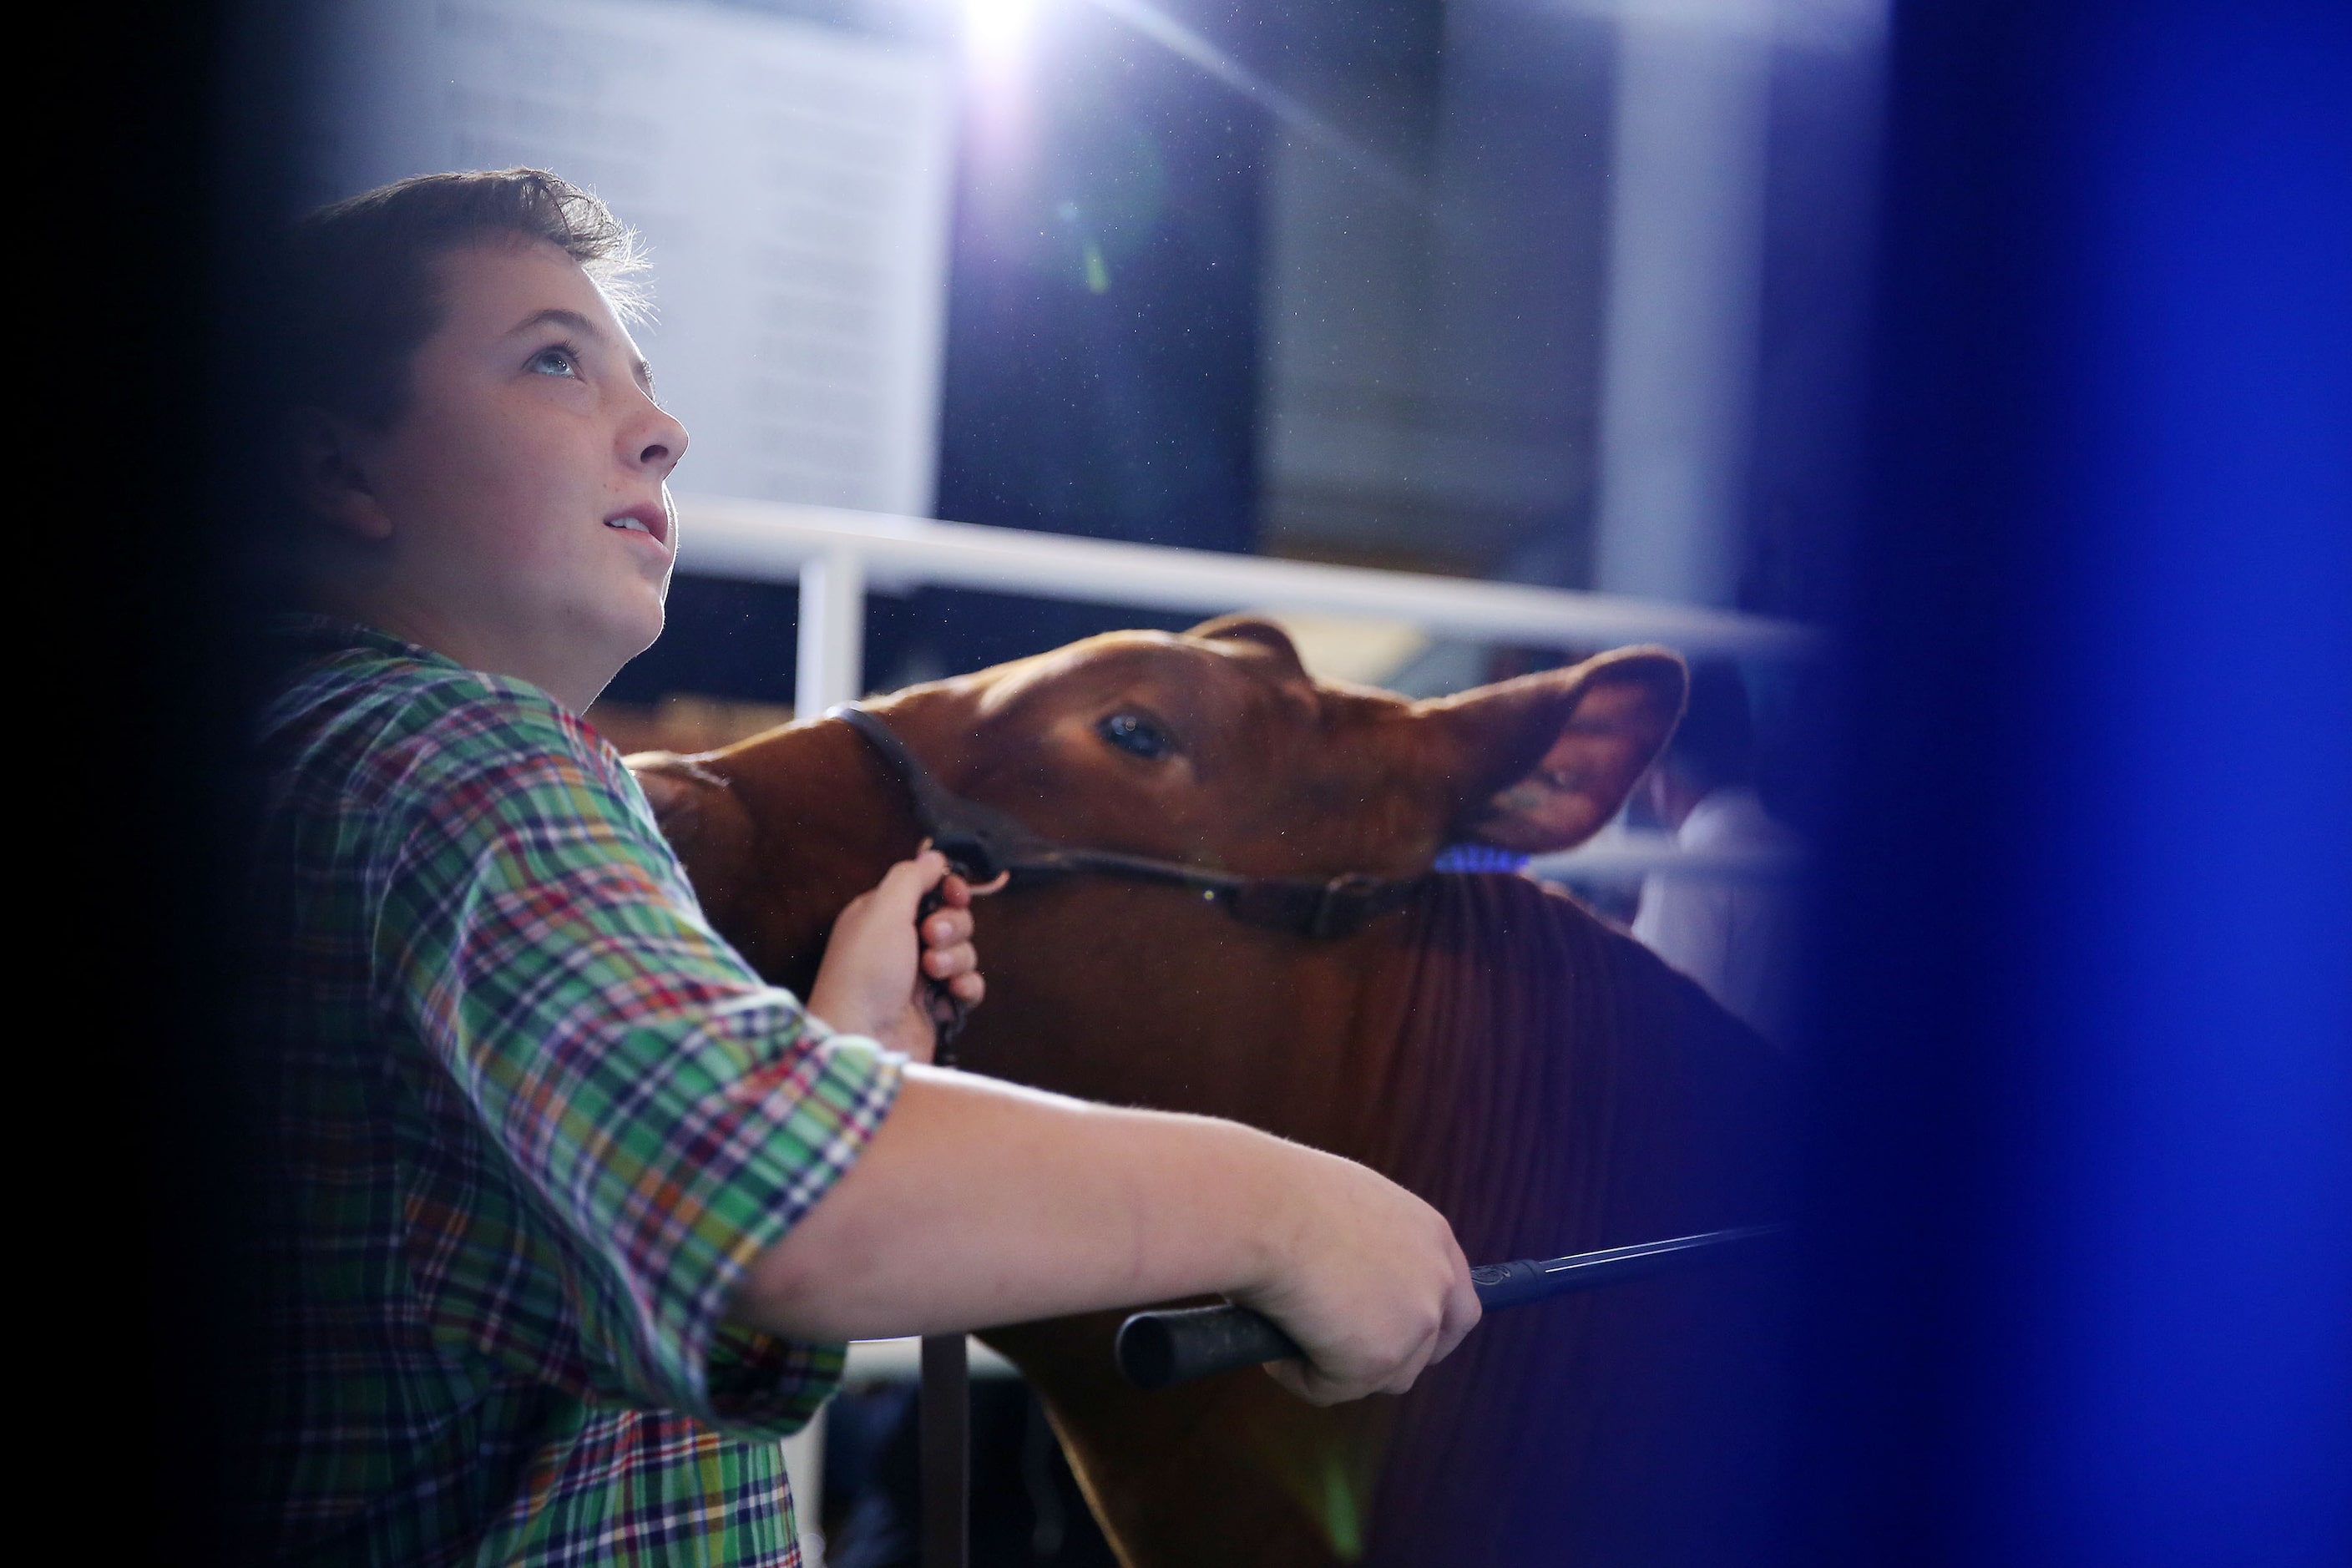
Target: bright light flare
995, 31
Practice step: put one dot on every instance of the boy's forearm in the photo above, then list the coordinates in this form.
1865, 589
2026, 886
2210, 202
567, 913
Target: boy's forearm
978, 1203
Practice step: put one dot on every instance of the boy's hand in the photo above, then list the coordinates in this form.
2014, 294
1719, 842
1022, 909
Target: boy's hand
1366, 1277
871, 982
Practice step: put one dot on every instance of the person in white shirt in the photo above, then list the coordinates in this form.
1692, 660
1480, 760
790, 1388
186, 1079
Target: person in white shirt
1735, 933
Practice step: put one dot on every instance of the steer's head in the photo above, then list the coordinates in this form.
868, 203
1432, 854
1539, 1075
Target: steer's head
1216, 747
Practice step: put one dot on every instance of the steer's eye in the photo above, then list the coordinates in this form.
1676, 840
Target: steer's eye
1135, 734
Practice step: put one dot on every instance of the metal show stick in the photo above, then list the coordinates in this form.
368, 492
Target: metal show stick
1160, 1348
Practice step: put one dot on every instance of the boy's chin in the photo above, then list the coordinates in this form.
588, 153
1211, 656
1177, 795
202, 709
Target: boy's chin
640, 632
625, 625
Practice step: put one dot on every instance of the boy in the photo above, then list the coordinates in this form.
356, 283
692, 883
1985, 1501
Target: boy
569, 1212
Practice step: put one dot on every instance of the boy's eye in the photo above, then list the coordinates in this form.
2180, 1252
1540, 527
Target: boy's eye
555, 362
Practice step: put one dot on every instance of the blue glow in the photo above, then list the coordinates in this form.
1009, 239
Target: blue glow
1481, 857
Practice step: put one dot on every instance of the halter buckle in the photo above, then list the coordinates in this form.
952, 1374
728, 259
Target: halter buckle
1343, 906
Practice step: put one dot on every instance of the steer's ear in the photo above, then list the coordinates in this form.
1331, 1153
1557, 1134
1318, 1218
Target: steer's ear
1545, 761
1257, 631
695, 808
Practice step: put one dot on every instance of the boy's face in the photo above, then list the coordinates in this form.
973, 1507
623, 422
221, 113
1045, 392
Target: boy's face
516, 517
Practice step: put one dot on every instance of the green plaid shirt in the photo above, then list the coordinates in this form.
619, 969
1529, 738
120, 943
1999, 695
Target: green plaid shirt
529, 1119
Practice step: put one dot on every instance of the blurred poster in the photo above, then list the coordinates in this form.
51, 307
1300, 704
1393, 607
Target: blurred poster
792, 181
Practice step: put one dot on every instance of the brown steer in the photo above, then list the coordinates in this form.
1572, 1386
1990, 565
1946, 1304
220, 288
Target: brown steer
1542, 1080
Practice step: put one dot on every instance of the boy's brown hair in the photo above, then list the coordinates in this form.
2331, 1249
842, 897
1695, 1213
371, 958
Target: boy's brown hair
359, 291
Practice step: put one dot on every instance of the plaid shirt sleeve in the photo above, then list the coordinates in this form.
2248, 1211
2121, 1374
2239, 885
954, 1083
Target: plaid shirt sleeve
666, 1113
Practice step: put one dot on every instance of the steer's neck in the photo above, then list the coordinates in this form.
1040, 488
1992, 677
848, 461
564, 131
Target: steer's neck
813, 798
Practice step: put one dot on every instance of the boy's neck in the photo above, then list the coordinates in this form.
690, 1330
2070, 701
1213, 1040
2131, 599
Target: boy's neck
402, 616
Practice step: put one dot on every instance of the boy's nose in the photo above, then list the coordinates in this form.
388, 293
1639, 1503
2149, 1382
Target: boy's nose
659, 444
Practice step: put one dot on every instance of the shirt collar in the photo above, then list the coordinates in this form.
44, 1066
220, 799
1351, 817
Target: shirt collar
309, 634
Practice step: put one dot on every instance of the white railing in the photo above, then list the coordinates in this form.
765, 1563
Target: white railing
836, 556
901, 1360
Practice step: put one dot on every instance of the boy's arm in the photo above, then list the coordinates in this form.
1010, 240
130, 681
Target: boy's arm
663, 1114
978, 1203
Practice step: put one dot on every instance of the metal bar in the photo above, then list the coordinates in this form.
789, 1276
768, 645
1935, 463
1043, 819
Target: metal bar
805, 1474
901, 1360
1534, 1279
1685, 262
772, 541
832, 630
946, 1440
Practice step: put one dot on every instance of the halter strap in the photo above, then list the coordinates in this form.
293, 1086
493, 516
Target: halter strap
981, 841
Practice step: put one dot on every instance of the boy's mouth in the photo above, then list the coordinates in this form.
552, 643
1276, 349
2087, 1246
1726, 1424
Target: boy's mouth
649, 519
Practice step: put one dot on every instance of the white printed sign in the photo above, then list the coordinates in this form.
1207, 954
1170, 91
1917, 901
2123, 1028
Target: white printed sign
792, 184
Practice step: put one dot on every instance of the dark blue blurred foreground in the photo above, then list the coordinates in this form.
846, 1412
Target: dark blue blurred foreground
2084, 1177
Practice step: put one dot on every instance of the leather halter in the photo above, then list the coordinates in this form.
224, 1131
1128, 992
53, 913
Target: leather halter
981, 841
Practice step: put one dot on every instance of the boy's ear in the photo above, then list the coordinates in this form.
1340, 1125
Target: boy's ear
1545, 761
328, 477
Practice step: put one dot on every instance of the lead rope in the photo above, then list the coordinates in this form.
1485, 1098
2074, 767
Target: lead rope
946, 1435
945, 1417
956, 1010
944, 1402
